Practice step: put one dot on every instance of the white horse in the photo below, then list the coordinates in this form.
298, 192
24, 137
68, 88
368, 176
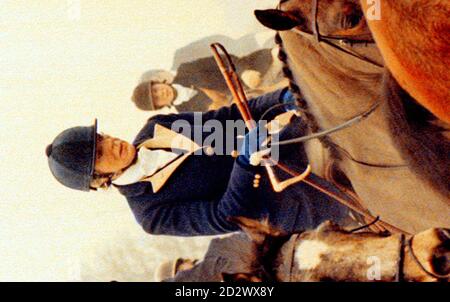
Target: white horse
326, 46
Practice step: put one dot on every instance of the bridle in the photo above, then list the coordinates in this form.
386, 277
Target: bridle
409, 246
342, 41
330, 40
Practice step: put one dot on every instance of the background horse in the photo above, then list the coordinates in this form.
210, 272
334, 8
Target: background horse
337, 73
330, 253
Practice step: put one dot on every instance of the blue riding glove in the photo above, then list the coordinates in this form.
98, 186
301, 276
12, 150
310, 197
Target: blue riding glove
253, 142
289, 100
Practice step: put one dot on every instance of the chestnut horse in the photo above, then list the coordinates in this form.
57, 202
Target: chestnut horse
413, 37
337, 73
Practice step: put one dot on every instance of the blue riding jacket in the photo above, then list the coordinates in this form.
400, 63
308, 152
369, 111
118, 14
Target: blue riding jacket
207, 189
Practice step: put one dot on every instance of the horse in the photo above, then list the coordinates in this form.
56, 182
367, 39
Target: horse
331, 253
337, 72
413, 38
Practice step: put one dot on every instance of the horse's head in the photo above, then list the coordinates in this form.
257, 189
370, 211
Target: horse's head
335, 18
340, 24
330, 253
341, 58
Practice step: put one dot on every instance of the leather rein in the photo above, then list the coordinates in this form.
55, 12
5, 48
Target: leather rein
342, 40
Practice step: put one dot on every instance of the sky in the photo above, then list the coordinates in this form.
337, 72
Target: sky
64, 63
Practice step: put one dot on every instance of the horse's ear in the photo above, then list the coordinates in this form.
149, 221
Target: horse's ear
240, 277
255, 229
277, 19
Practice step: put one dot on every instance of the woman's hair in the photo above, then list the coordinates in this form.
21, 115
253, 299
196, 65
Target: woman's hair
101, 181
141, 97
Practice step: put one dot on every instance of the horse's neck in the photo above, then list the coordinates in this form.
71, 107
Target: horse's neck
333, 97
336, 92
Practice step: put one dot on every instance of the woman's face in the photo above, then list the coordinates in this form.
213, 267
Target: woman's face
162, 94
112, 154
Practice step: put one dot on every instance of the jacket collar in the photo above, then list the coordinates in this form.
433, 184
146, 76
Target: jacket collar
164, 138
167, 138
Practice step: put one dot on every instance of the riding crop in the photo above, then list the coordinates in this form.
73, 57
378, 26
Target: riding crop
232, 80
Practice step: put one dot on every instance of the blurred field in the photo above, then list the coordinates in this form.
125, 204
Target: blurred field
65, 62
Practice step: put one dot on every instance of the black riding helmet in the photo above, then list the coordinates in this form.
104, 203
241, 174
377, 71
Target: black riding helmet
71, 156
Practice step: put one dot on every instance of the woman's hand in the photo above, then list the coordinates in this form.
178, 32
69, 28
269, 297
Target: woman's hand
255, 146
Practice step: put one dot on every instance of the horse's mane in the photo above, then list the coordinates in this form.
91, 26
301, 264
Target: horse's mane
427, 150
310, 120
